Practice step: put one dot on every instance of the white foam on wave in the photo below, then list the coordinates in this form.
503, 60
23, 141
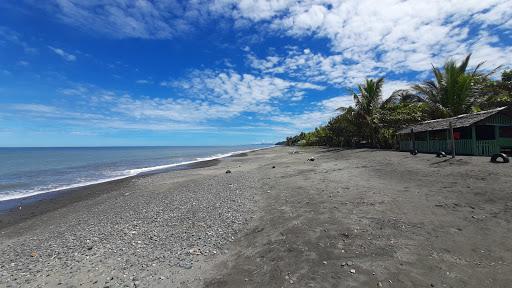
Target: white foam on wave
122, 175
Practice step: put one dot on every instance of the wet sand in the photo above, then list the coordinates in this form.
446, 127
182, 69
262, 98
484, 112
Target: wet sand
354, 218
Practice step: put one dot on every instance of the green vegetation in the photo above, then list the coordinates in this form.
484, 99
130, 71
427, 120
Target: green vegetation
373, 122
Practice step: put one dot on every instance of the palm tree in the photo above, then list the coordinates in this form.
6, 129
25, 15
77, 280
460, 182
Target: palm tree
453, 91
368, 102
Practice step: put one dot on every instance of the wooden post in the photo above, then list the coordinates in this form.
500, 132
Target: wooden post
413, 139
429, 147
473, 139
453, 140
448, 143
497, 138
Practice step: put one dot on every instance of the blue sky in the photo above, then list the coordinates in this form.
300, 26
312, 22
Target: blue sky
219, 72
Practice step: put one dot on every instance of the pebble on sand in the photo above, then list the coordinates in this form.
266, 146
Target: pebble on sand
195, 251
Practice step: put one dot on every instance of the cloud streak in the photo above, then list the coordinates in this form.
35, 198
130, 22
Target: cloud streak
65, 55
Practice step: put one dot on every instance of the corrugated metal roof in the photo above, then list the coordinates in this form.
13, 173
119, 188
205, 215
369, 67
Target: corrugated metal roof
457, 122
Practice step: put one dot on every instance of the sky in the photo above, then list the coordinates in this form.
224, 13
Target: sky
219, 72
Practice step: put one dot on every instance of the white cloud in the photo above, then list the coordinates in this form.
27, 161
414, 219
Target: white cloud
23, 63
307, 65
371, 38
225, 94
32, 111
317, 114
201, 97
159, 19
334, 103
366, 37
303, 121
393, 85
38, 108
259, 9
65, 55
144, 81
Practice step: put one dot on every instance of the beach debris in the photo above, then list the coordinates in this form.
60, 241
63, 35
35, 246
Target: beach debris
33, 254
353, 271
324, 262
311, 159
440, 154
502, 156
414, 152
379, 284
89, 247
228, 171
343, 264
273, 167
350, 263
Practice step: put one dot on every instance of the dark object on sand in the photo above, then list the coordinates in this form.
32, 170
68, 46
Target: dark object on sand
273, 167
228, 171
504, 158
414, 152
440, 154
311, 159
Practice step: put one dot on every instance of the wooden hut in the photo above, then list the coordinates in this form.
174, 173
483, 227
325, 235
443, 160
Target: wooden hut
484, 133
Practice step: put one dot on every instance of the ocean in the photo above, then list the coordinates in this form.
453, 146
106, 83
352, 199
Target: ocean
31, 171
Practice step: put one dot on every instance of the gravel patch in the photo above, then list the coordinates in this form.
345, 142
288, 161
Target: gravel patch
152, 230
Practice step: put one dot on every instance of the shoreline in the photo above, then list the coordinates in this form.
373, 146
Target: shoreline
17, 210
7, 205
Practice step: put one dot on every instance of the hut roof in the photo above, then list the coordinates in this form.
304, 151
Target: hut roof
464, 120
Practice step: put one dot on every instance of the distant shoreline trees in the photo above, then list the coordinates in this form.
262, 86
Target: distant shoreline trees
373, 122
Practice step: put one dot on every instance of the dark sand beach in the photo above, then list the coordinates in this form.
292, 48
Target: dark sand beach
351, 218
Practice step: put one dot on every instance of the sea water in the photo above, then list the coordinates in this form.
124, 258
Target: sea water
31, 171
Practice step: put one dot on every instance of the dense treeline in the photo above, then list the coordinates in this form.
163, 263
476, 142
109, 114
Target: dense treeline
373, 122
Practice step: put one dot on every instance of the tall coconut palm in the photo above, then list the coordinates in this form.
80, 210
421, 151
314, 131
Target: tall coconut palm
453, 91
368, 102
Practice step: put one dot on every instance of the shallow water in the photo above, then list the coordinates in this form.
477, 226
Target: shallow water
31, 171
